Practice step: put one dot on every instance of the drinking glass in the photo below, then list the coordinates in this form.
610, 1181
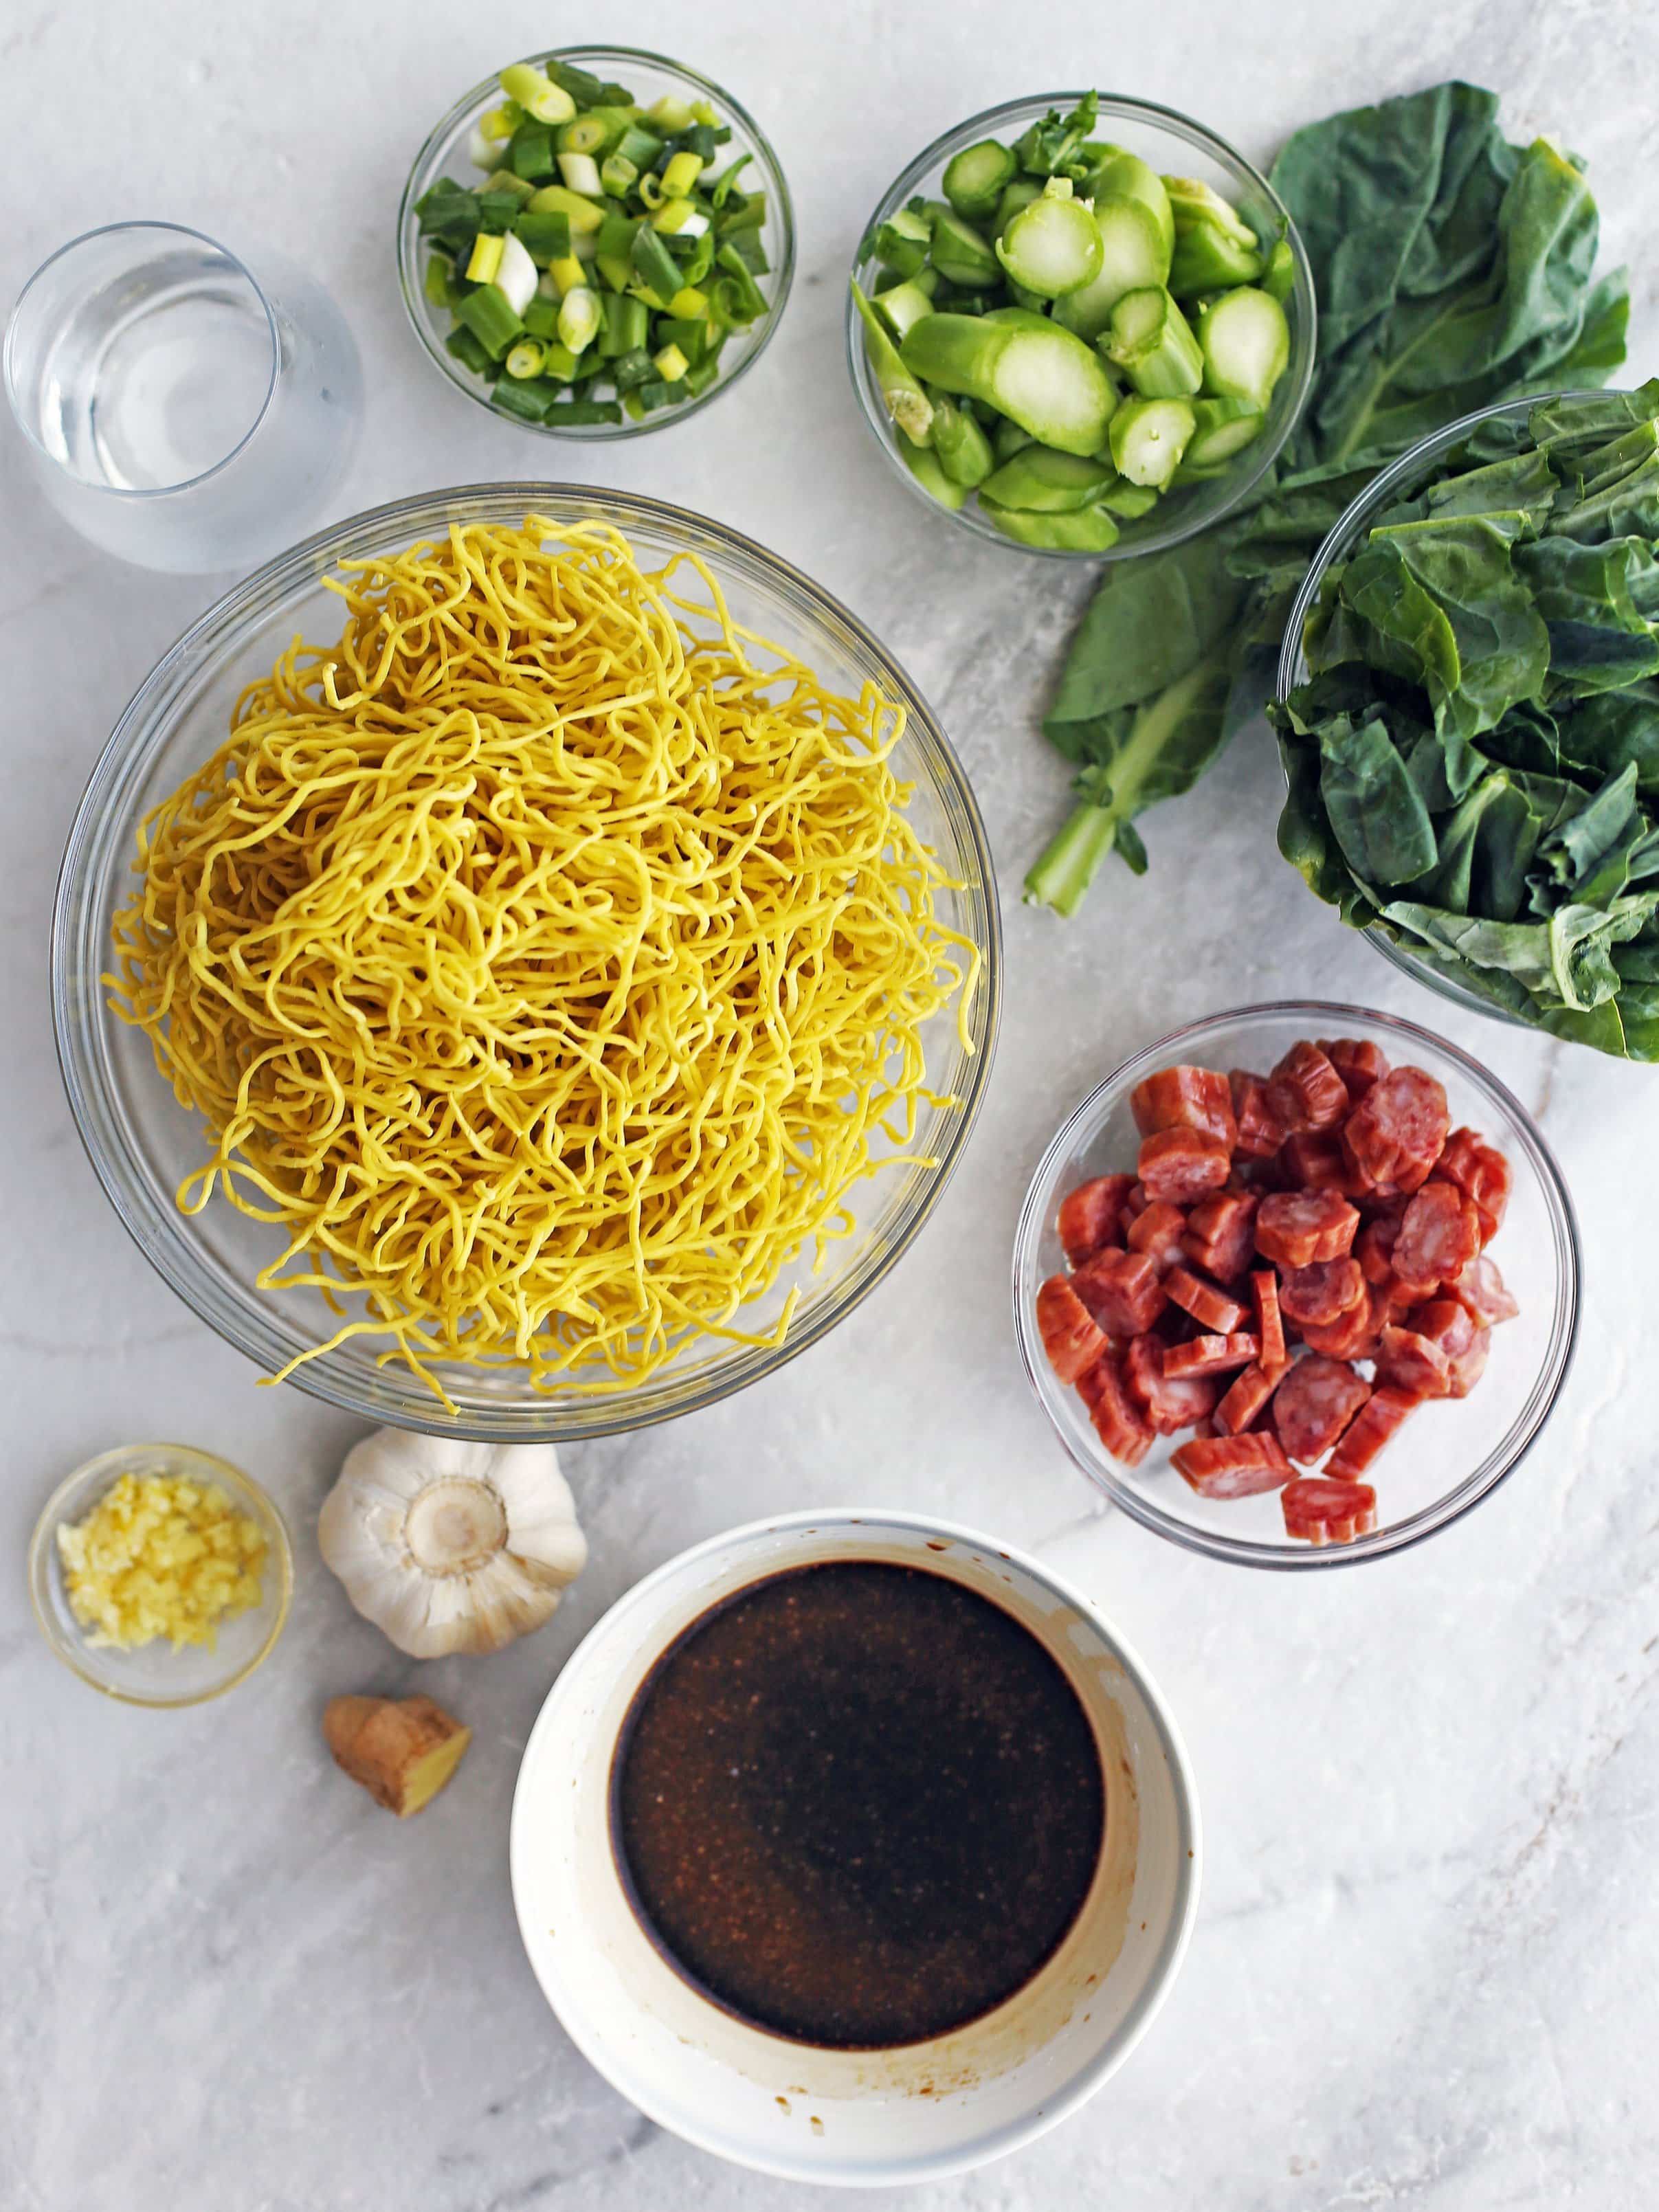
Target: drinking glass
180, 407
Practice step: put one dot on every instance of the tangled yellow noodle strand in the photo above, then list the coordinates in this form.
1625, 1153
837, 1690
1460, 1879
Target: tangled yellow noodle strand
545, 957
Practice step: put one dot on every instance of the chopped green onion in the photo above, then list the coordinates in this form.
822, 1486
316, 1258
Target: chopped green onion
541, 317
581, 172
580, 315
546, 236
485, 258
630, 370
566, 273
653, 265
670, 364
585, 216
679, 219
721, 190
526, 360
689, 303
751, 301
559, 362
531, 154
435, 280
500, 123
467, 350
617, 174
682, 173
670, 114
640, 147
509, 181
584, 133
537, 94
627, 326
491, 320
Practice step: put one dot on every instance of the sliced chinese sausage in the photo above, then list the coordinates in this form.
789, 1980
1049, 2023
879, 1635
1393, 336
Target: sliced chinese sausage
1211, 1307
1374, 1248
1221, 1234
1186, 1098
1306, 1092
1358, 1061
1438, 1238
1414, 1363
1313, 1159
1356, 1334
1088, 1216
1295, 1228
1158, 1232
1468, 1366
1120, 1290
1481, 1173
1246, 1399
1069, 1336
1168, 1403
1377, 1423
1395, 1134
1445, 1323
1260, 1133
1315, 1403
1269, 1322
1483, 1294
1181, 1166
1119, 1422
1210, 1355
1321, 1293
1231, 1467
1322, 1511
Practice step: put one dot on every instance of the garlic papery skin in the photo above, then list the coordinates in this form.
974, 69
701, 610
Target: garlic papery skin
451, 1546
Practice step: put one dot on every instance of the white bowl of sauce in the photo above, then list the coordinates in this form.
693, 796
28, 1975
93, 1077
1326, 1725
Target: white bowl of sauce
854, 1848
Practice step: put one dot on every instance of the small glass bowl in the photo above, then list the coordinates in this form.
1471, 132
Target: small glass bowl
648, 75
1175, 145
154, 1674
1459, 1450
1401, 481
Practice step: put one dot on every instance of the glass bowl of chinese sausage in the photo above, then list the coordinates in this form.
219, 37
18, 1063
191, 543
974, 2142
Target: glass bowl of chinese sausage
595, 242
1468, 716
1297, 1285
1082, 326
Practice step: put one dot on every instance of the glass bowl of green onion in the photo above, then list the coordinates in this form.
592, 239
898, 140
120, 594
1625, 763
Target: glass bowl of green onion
1082, 326
595, 242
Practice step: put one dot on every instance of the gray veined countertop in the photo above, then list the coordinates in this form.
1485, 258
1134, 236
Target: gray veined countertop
1426, 1967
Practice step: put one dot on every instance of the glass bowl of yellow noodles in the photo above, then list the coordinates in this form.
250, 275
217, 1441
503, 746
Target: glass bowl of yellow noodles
526, 964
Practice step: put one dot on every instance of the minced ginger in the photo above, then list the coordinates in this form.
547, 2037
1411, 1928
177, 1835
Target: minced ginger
159, 1555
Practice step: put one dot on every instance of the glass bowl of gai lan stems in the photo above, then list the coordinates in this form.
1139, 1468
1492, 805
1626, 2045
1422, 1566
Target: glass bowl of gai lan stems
1096, 420
724, 240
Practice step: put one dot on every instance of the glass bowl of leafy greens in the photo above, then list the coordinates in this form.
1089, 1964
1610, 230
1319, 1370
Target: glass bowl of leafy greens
1082, 325
596, 242
1468, 716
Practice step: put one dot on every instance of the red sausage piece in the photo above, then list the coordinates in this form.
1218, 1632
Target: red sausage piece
1269, 1323
1088, 1216
1413, 1363
1481, 1173
1482, 1293
1378, 1422
1296, 1228
1467, 1367
1211, 1307
1186, 1098
1181, 1166
1158, 1233
1306, 1092
1374, 1248
1168, 1403
1069, 1334
1314, 1404
1322, 1292
1210, 1355
1260, 1134
1356, 1334
1120, 1290
1395, 1134
1326, 1512
1246, 1399
1357, 1061
1438, 1238
1445, 1323
1119, 1422
1314, 1159
1233, 1467
1221, 1234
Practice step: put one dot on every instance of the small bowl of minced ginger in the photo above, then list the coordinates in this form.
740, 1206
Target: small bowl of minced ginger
160, 1574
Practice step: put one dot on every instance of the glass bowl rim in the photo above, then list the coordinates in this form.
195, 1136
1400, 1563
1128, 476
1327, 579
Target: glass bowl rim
106, 1467
1293, 666
1497, 1466
108, 800
1225, 156
8, 352
481, 95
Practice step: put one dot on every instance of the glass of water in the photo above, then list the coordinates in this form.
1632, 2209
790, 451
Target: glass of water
181, 408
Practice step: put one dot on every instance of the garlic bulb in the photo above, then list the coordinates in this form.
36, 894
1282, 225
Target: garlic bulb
451, 1546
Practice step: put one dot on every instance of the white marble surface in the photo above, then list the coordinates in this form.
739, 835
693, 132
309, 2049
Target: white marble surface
1425, 1972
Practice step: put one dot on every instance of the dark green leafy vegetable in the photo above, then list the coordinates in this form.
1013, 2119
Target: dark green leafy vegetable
1465, 766
1452, 270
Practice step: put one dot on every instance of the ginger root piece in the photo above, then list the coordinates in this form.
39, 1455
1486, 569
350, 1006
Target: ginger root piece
403, 1752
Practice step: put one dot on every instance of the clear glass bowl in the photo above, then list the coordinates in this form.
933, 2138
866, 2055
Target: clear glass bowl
142, 1143
1401, 480
1458, 1451
154, 1674
1175, 146
648, 75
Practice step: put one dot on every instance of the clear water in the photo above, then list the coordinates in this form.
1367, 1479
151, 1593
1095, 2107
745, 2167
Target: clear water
156, 378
